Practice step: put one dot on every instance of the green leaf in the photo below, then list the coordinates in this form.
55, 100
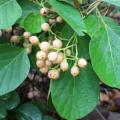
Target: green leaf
114, 2
68, 1
29, 111
74, 98
14, 67
70, 15
32, 23
10, 11
12, 101
83, 47
28, 7
105, 49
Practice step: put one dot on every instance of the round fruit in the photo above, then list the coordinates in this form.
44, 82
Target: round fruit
45, 46
57, 43
52, 56
34, 40
40, 63
28, 50
45, 27
52, 21
15, 39
48, 63
30, 95
53, 74
64, 66
59, 19
26, 35
82, 62
68, 52
44, 70
59, 59
44, 11
41, 55
75, 71
8, 29
0, 33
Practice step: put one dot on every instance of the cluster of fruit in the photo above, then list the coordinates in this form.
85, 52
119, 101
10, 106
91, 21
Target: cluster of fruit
54, 55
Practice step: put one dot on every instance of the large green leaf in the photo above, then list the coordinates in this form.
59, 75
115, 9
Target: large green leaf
114, 2
29, 111
10, 11
32, 23
105, 49
70, 15
74, 98
14, 67
28, 7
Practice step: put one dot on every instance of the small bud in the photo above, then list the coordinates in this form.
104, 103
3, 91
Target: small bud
82, 62
44, 46
44, 70
40, 63
51, 21
26, 35
59, 59
68, 52
44, 11
48, 63
45, 27
9, 30
64, 66
57, 43
75, 71
59, 19
15, 39
52, 56
53, 74
34, 40
41, 55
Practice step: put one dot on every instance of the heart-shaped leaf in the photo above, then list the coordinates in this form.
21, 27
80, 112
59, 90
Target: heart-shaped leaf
14, 67
74, 98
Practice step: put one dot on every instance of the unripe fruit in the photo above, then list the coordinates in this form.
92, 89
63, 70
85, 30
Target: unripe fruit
34, 40
41, 55
15, 39
57, 43
30, 95
59, 59
53, 74
64, 66
26, 35
36, 93
52, 56
44, 46
75, 71
44, 70
82, 62
68, 52
48, 63
0, 33
27, 45
59, 19
40, 63
28, 50
44, 11
45, 27
52, 21
8, 29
